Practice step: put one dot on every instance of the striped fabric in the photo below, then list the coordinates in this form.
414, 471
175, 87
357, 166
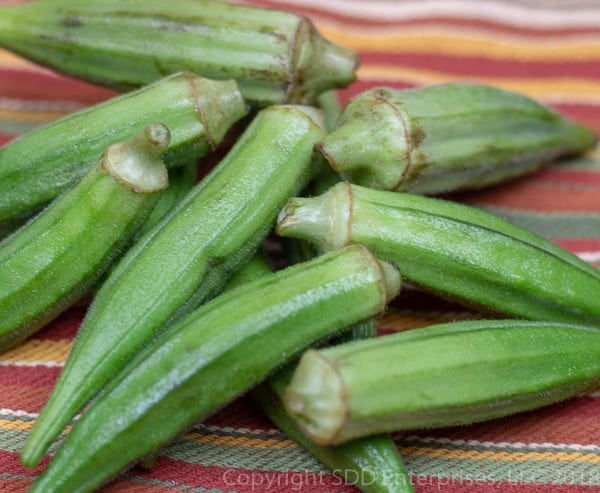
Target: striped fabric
547, 49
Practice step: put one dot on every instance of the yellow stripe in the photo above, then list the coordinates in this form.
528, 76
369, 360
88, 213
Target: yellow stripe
28, 116
500, 455
546, 88
421, 40
36, 350
12, 61
7, 424
258, 443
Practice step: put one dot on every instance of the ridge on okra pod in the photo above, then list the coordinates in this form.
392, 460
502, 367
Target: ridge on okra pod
276, 56
38, 166
51, 261
442, 375
212, 356
447, 137
454, 250
184, 260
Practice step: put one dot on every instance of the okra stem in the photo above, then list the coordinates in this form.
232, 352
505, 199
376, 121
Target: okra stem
185, 259
37, 167
455, 250
277, 57
212, 356
441, 375
52, 260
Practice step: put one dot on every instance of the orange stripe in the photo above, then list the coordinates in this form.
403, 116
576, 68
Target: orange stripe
422, 39
501, 455
549, 88
36, 350
235, 441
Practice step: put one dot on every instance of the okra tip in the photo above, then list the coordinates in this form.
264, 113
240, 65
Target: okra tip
580, 137
137, 162
316, 389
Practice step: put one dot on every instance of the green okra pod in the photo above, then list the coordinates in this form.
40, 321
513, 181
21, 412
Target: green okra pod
36, 167
441, 375
212, 356
52, 260
447, 137
277, 57
181, 180
371, 463
452, 249
185, 260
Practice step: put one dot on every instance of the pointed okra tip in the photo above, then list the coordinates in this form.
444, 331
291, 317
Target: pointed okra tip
316, 398
137, 162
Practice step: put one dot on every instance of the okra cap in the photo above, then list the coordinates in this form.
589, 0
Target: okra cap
137, 162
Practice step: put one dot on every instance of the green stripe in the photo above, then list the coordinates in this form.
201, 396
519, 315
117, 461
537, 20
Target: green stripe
554, 226
12, 127
240, 456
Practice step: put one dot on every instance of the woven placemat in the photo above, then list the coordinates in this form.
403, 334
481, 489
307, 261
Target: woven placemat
549, 50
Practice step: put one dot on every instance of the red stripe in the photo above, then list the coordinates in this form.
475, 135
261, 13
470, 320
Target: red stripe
243, 480
20, 84
65, 326
459, 484
580, 245
571, 421
587, 114
481, 66
10, 464
568, 176
322, 14
532, 196
5, 138
26, 376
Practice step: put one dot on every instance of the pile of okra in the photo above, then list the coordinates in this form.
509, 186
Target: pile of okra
188, 313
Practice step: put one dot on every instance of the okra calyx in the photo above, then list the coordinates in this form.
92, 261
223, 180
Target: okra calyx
137, 162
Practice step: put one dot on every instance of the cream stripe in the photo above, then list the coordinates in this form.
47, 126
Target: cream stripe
39, 105
589, 256
492, 10
512, 445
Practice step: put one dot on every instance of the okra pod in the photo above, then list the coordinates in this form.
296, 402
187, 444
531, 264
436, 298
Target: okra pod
447, 137
212, 356
452, 249
181, 180
371, 463
441, 375
277, 57
52, 260
37, 167
185, 260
